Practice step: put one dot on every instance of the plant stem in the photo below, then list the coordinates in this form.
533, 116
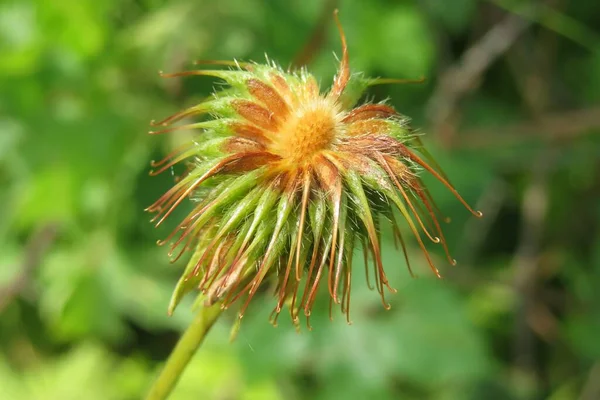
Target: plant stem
183, 352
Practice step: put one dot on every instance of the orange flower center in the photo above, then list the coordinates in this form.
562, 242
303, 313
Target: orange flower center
308, 129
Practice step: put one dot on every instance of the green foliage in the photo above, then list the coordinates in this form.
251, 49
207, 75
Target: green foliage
86, 316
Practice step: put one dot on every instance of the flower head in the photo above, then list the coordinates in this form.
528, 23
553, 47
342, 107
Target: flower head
287, 181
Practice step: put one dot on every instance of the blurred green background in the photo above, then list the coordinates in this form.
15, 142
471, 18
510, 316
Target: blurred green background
511, 109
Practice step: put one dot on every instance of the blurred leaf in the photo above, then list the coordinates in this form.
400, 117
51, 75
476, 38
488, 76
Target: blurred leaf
77, 293
407, 43
215, 373
50, 197
78, 85
87, 372
78, 26
456, 15
20, 38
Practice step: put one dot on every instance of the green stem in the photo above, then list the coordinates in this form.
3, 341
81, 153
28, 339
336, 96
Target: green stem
183, 352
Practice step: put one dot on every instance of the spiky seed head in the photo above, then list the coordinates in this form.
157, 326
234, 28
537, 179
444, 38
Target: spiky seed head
287, 181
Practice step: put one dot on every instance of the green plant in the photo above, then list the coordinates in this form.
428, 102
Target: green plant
286, 182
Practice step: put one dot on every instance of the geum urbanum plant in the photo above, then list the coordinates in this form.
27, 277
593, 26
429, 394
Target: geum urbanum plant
286, 181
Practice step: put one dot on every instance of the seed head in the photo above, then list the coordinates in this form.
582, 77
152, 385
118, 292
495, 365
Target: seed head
286, 181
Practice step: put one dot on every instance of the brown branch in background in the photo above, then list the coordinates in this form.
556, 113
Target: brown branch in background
494, 196
463, 77
525, 262
591, 388
541, 320
552, 127
532, 70
314, 44
34, 252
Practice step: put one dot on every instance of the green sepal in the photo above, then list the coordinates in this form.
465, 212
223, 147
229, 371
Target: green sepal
186, 284
202, 298
280, 233
376, 178
354, 90
361, 202
231, 193
236, 188
263, 208
210, 148
341, 241
217, 107
281, 237
317, 210
385, 186
234, 78
400, 131
237, 212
